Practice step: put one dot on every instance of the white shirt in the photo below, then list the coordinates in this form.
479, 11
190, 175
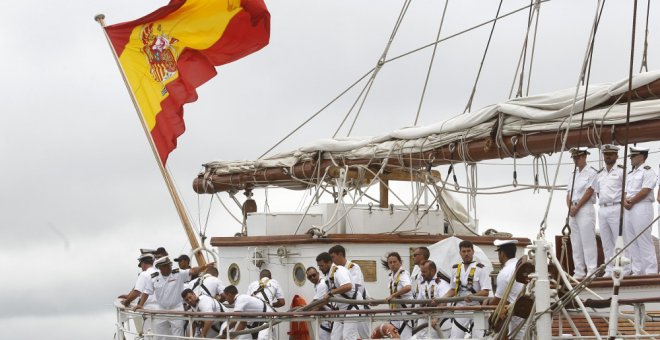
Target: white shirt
272, 290
640, 178
337, 277
247, 303
416, 279
356, 273
432, 289
213, 285
168, 288
207, 304
609, 185
403, 280
584, 179
503, 278
480, 280
144, 281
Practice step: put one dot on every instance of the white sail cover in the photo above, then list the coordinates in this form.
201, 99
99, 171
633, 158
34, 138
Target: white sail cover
446, 253
543, 112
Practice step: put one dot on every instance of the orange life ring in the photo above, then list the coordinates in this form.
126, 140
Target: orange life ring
386, 330
298, 330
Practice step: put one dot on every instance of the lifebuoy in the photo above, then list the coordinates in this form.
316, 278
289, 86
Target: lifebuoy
386, 330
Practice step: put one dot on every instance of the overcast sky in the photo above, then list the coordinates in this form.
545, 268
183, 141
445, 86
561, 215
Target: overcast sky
80, 192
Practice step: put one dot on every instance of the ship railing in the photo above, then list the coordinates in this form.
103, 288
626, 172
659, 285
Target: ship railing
374, 317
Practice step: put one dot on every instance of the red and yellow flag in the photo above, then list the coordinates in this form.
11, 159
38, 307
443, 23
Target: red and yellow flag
167, 54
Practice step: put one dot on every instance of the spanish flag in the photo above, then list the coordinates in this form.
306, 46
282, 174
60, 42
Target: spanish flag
167, 54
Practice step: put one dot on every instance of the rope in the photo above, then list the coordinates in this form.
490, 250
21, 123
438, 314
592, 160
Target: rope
377, 68
428, 72
543, 225
537, 8
468, 107
644, 66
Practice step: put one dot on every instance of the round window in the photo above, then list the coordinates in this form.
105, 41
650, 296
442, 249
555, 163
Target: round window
234, 274
299, 275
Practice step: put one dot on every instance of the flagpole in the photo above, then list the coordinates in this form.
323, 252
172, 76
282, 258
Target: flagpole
178, 204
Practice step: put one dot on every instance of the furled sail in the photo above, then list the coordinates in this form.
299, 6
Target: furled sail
522, 126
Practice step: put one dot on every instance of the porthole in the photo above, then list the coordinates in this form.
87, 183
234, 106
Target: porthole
234, 274
299, 274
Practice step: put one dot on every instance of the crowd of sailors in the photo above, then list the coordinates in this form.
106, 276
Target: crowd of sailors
605, 187
198, 289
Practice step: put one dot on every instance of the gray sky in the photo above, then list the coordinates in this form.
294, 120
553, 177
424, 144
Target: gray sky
80, 191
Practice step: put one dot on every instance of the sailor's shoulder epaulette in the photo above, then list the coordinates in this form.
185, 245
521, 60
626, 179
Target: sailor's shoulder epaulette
620, 166
175, 271
455, 266
647, 167
594, 169
154, 274
480, 265
601, 170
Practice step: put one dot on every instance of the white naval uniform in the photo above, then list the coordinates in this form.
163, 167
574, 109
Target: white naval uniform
320, 291
398, 281
416, 280
143, 281
608, 188
642, 251
247, 303
207, 304
503, 277
206, 285
480, 281
583, 225
429, 290
270, 294
358, 280
167, 290
337, 277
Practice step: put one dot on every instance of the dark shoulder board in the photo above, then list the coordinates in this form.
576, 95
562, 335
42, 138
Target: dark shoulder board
154, 274
174, 271
480, 265
455, 266
594, 169
601, 170
620, 166
647, 167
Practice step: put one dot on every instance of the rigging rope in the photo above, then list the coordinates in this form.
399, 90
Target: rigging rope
468, 107
428, 72
644, 66
585, 62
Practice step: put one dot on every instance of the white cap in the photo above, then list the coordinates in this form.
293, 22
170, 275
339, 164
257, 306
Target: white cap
161, 261
578, 151
609, 148
145, 256
637, 150
503, 243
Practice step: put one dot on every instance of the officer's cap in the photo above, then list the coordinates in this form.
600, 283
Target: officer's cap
162, 261
578, 151
609, 148
638, 151
503, 244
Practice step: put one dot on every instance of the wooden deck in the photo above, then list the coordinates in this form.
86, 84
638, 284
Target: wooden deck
626, 326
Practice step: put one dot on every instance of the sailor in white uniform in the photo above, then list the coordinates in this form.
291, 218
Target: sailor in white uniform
247, 303
506, 251
145, 262
432, 288
400, 288
207, 284
470, 278
320, 291
204, 304
267, 289
167, 285
608, 189
580, 200
420, 255
640, 183
338, 255
338, 281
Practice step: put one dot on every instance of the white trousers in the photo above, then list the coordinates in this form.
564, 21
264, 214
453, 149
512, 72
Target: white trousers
344, 330
583, 241
458, 333
642, 251
608, 223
